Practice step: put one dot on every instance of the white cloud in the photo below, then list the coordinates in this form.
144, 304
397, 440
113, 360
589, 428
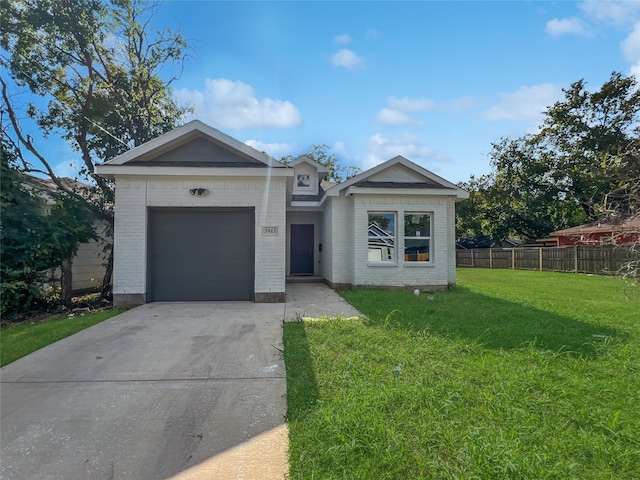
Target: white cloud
631, 49
275, 150
527, 104
619, 14
399, 108
406, 104
233, 104
393, 118
341, 149
614, 12
564, 26
382, 148
348, 59
343, 38
344, 154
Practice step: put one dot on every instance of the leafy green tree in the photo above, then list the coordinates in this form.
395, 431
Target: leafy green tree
336, 171
481, 214
98, 75
584, 138
39, 231
624, 197
572, 171
23, 259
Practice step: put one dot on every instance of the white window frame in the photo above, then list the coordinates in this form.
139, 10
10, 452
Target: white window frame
429, 238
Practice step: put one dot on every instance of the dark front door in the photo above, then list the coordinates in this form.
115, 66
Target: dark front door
301, 249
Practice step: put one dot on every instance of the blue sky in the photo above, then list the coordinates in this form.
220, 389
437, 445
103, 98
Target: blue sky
436, 82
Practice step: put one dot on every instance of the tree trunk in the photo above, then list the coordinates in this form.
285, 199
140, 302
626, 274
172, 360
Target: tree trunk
107, 288
66, 281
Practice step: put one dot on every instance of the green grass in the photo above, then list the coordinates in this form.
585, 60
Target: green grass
512, 375
16, 341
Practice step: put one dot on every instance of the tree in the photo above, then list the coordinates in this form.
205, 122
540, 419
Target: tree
567, 173
336, 172
623, 201
624, 197
98, 76
482, 214
585, 137
39, 231
23, 258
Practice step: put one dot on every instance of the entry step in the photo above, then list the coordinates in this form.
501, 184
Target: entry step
304, 279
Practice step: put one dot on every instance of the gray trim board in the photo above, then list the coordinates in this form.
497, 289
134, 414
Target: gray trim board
369, 184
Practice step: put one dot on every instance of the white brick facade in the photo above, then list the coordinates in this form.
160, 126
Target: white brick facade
338, 246
134, 195
346, 231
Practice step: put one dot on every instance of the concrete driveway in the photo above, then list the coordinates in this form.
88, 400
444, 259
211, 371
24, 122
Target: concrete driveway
166, 390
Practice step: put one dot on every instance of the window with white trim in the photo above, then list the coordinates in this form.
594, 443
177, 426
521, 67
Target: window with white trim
381, 237
417, 237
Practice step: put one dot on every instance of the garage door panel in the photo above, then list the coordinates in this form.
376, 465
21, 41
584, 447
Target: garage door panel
200, 254
201, 291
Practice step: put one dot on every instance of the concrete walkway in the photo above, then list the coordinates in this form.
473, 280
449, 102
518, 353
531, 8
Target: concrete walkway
165, 390
312, 300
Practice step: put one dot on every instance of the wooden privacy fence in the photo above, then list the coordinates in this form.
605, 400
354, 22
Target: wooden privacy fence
607, 259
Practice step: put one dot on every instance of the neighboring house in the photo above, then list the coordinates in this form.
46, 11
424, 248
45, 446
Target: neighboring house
202, 216
487, 242
88, 266
620, 231
542, 242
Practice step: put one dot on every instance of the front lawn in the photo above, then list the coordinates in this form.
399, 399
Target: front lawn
16, 341
512, 375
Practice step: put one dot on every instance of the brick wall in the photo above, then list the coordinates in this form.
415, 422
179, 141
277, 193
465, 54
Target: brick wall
338, 252
130, 237
134, 195
326, 266
350, 232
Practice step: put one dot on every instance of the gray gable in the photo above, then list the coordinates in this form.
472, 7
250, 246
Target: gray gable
401, 175
197, 152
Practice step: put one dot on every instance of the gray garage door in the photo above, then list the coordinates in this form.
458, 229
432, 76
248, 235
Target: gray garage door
198, 254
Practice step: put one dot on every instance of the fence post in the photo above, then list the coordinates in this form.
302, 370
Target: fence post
540, 257
490, 257
513, 258
472, 257
575, 258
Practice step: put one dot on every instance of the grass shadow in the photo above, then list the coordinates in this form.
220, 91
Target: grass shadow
302, 388
492, 322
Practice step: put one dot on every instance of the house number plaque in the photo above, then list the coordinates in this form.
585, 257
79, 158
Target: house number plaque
269, 230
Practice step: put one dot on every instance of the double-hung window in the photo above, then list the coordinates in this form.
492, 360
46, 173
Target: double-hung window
382, 237
417, 237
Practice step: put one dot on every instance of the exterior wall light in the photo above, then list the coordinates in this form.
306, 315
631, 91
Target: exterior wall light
199, 192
